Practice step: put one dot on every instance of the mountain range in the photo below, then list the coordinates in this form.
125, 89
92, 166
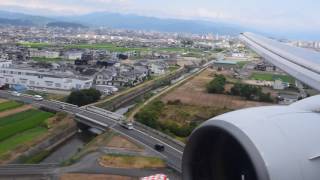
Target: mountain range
121, 21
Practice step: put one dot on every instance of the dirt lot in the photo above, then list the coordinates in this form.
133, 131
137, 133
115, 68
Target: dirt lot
14, 111
121, 142
94, 177
123, 161
194, 93
3, 100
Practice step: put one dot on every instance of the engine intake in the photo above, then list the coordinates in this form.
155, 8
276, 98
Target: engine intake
265, 143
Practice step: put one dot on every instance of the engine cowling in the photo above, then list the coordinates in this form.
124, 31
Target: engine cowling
263, 143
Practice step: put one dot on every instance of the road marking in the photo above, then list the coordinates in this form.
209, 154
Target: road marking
158, 140
138, 141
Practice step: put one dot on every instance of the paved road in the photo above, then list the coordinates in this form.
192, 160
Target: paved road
172, 152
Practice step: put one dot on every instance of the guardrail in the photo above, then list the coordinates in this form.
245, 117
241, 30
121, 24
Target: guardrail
85, 118
64, 103
173, 166
137, 124
109, 114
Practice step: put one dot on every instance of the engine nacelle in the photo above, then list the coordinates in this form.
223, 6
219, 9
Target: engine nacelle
263, 143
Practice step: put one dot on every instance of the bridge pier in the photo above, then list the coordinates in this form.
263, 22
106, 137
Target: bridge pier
82, 126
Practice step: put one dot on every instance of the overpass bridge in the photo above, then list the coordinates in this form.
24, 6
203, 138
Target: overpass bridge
302, 64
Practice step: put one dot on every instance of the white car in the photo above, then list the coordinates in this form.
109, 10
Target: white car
15, 93
127, 125
37, 97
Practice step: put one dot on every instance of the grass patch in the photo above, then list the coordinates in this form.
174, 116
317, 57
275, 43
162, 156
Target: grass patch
22, 122
9, 105
272, 77
110, 47
241, 64
125, 161
36, 159
35, 45
21, 138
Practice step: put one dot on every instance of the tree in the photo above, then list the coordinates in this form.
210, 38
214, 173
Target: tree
84, 97
217, 84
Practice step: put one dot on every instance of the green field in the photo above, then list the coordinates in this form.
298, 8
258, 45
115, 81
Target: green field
21, 138
272, 77
9, 105
36, 45
18, 129
20, 122
109, 46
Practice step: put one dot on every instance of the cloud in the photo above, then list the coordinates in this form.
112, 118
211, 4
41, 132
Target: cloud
50, 6
63, 7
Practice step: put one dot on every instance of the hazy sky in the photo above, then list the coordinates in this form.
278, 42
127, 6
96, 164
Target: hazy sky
299, 15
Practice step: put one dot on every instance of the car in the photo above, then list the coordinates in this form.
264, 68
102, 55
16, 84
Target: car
159, 147
127, 125
62, 107
15, 93
37, 97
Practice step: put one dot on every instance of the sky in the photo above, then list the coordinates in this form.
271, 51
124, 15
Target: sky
276, 15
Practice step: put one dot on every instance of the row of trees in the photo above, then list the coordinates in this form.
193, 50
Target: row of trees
249, 92
150, 116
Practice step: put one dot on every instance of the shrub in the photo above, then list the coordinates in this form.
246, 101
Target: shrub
250, 92
84, 97
217, 84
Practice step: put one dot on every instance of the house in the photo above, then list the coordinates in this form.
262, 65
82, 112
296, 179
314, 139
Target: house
105, 76
158, 68
72, 55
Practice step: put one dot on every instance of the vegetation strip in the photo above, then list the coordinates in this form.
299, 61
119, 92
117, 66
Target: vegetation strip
9, 105
126, 161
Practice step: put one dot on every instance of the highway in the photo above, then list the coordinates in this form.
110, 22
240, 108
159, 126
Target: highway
172, 153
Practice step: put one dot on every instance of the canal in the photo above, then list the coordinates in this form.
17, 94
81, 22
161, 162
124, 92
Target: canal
71, 146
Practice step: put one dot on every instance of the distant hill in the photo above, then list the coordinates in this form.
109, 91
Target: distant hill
31, 19
65, 25
15, 22
136, 22
121, 21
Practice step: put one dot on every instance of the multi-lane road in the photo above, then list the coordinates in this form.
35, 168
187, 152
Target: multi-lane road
172, 153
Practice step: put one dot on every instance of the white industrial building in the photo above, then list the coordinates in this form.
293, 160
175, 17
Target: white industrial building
41, 78
44, 53
73, 55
